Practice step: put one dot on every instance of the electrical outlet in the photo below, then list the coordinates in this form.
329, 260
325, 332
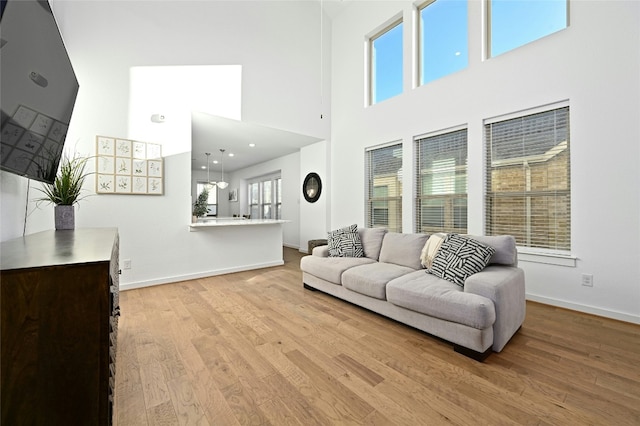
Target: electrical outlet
126, 263
587, 280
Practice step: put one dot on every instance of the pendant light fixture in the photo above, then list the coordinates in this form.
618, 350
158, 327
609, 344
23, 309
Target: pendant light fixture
209, 185
222, 184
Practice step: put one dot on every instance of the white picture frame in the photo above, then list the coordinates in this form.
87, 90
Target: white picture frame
125, 166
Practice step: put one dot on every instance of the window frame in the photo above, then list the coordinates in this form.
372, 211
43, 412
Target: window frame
450, 200
371, 201
524, 248
420, 46
489, 30
275, 205
370, 77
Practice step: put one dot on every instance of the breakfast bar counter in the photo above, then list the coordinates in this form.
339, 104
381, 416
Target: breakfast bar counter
233, 221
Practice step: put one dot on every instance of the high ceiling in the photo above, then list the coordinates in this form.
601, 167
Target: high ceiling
211, 133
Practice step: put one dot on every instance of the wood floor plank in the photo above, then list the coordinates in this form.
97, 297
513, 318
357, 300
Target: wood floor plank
212, 401
185, 403
255, 347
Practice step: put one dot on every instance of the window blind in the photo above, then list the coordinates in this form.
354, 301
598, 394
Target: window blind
383, 169
528, 187
441, 183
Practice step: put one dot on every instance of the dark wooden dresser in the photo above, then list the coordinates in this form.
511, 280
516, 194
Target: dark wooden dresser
59, 313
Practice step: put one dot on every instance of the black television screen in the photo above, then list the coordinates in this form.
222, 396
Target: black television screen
38, 90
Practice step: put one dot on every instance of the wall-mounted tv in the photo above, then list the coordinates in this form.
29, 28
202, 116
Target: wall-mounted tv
38, 90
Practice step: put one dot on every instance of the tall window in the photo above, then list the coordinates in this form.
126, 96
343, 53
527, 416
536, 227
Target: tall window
254, 200
443, 39
265, 198
528, 192
386, 63
515, 23
383, 169
441, 183
212, 202
278, 198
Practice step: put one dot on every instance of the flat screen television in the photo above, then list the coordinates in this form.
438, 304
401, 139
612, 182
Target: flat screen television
38, 89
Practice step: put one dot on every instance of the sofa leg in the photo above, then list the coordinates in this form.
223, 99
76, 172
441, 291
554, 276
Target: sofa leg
478, 356
308, 287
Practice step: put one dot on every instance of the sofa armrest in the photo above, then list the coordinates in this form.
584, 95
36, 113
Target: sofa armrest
322, 251
505, 286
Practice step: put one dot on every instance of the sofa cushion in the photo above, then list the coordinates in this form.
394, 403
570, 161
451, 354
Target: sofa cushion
427, 294
372, 241
403, 249
372, 279
330, 268
345, 242
431, 248
505, 246
460, 257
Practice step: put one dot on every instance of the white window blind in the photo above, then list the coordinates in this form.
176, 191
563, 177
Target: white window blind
528, 192
441, 183
383, 190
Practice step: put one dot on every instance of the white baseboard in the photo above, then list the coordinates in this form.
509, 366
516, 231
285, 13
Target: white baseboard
204, 274
291, 246
620, 316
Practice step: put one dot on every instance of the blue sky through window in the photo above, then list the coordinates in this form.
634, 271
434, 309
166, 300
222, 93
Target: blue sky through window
444, 39
515, 23
387, 64
443, 27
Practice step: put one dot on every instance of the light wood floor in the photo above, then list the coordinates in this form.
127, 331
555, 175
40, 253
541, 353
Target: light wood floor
256, 348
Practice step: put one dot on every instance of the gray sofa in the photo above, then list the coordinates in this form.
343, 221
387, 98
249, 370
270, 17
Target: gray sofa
390, 280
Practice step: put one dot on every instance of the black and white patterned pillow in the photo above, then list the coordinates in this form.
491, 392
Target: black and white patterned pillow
345, 242
460, 257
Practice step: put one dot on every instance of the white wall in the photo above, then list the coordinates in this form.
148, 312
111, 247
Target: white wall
314, 217
277, 45
289, 169
594, 64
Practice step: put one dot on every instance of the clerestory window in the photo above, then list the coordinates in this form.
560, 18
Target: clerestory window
443, 39
515, 23
385, 63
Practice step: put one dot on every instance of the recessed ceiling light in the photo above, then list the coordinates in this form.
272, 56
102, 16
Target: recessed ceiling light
204, 167
215, 161
252, 145
231, 154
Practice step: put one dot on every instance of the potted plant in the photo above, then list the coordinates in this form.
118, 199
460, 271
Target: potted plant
66, 189
201, 206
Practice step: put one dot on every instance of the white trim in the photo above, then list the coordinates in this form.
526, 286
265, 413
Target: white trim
384, 145
205, 274
385, 26
547, 258
369, 38
620, 316
524, 112
439, 132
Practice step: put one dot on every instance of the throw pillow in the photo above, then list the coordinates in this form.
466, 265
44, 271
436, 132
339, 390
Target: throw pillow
430, 249
460, 257
345, 242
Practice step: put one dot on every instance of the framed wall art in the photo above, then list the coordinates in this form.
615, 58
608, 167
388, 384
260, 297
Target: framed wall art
233, 194
126, 166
